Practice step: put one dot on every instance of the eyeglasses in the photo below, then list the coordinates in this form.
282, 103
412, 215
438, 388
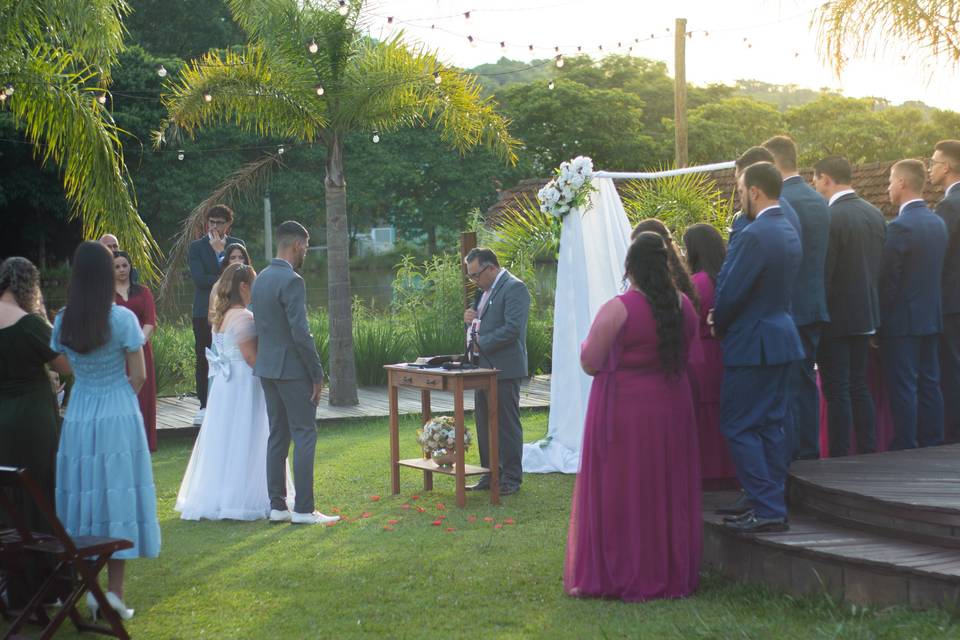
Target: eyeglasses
217, 223
474, 276
931, 162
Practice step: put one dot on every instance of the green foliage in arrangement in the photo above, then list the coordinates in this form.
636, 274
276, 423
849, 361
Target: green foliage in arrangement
173, 358
678, 202
428, 301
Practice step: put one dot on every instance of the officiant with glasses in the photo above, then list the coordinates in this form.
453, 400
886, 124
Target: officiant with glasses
496, 326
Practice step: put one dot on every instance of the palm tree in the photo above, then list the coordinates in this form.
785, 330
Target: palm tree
55, 62
929, 25
309, 74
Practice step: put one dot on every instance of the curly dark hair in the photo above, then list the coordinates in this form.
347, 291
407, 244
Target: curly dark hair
681, 277
646, 266
20, 277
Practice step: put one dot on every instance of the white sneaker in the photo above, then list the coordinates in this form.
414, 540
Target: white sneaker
279, 516
311, 518
198, 418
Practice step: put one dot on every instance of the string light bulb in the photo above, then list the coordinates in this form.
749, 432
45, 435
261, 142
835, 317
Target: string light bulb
559, 62
503, 44
180, 154
161, 71
471, 41
375, 137
207, 97
280, 150
466, 14
319, 89
312, 46
389, 19
437, 78
8, 90
3, 97
344, 8
530, 47
551, 85
102, 98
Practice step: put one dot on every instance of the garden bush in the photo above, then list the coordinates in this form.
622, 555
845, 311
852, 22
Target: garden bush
377, 340
173, 359
428, 301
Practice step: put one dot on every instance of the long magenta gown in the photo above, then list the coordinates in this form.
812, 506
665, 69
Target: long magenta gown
142, 305
716, 466
636, 527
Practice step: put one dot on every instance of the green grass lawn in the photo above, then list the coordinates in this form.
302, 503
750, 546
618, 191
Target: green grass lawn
256, 580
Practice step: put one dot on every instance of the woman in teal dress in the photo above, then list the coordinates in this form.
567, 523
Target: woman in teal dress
104, 478
28, 410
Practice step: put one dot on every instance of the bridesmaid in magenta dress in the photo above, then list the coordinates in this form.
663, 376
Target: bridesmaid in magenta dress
705, 253
635, 524
138, 299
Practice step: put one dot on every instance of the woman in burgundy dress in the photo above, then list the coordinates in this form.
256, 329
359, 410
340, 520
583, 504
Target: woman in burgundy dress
635, 523
138, 299
705, 253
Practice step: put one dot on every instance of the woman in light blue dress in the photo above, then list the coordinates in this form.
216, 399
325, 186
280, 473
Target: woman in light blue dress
104, 478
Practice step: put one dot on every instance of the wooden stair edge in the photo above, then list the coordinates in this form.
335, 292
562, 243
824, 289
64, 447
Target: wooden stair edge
869, 499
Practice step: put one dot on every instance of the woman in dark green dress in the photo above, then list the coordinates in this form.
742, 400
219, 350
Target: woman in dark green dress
28, 405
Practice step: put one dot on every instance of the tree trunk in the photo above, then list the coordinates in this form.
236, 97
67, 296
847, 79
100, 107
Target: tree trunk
432, 238
343, 371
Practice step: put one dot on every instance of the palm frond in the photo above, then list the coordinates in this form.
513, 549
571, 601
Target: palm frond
61, 116
250, 179
259, 94
677, 201
523, 232
848, 27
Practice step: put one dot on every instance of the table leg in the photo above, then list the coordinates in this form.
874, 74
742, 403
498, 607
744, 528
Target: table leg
493, 427
458, 418
392, 393
426, 415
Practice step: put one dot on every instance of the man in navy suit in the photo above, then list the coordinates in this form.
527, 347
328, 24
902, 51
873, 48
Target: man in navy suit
911, 310
760, 341
944, 170
205, 256
852, 274
740, 219
809, 301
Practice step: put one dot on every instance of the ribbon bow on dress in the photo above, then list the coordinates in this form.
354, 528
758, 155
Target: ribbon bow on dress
219, 364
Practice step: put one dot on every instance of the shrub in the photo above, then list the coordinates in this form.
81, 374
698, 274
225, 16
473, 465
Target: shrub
173, 359
428, 300
319, 323
539, 345
377, 340
678, 202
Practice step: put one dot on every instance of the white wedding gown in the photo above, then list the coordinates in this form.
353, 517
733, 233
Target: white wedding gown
226, 478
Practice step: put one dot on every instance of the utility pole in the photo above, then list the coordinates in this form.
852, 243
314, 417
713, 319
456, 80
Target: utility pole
267, 227
680, 92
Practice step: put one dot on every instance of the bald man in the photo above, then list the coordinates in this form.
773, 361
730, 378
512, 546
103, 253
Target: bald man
110, 242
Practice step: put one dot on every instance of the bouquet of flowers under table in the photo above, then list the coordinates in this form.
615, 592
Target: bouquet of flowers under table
438, 439
569, 189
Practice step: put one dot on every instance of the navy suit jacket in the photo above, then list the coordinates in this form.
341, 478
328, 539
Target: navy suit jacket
205, 271
911, 273
809, 296
857, 231
740, 220
949, 210
752, 310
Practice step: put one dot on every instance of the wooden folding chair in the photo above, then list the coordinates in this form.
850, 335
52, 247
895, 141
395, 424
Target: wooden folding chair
86, 555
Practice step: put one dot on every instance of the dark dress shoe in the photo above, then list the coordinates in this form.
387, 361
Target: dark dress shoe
738, 507
509, 490
754, 524
742, 516
483, 485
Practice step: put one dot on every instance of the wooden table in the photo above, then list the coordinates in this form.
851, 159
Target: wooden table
455, 382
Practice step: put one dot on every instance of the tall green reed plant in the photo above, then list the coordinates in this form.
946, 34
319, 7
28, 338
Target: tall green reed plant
173, 359
428, 301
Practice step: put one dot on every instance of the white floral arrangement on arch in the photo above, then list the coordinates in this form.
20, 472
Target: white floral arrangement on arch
439, 436
570, 188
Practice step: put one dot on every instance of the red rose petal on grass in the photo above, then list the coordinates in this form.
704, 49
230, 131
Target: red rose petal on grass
388, 528
393, 521
332, 524
420, 509
437, 523
365, 514
450, 529
334, 510
487, 519
471, 518
441, 506
414, 497
441, 517
509, 521
374, 498
405, 506
498, 526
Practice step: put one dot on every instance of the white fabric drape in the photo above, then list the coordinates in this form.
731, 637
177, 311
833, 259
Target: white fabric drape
593, 245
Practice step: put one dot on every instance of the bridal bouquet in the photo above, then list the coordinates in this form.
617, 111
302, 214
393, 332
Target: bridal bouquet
439, 437
569, 188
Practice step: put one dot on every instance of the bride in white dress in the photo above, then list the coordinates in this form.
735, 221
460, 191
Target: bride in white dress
226, 478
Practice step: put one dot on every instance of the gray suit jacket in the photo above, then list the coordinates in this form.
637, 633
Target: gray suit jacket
285, 349
503, 328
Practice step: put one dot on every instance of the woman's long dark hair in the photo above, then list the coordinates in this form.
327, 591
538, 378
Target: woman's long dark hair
647, 267
86, 320
705, 249
134, 287
681, 277
227, 250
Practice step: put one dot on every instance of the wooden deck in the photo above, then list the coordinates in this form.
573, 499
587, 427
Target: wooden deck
175, 414
880, 529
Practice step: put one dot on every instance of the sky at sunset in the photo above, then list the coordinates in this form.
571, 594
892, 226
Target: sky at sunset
768, 40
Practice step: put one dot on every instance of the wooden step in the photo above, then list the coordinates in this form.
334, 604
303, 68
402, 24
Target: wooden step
849, 564
912, 495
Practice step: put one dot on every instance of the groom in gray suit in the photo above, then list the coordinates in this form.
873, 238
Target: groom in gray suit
291, 375
497, 335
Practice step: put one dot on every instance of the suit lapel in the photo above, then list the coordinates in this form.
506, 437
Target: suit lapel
493, 293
